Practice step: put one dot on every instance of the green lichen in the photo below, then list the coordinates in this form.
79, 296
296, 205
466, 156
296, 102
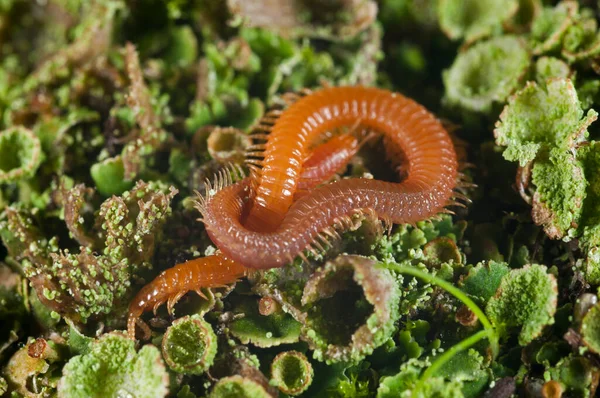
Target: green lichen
336, 334
526, 299
95, 281
34, 361
486, 74
474, 19
238, 387
109, 176
560, 192
404, 384
483, 280
20, 154
589, 225
590, 329
114, 368
550, 26
189, 345
540, 117
291, 372
263, 330
576, 375
550, 68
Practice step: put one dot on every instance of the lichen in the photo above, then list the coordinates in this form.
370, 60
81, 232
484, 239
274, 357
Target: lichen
238, 387
559, 195
474, 19
189, 345
526, 299
291, 372
113, 368
20, 154
542, 117
486, 74
87, 284
377, 300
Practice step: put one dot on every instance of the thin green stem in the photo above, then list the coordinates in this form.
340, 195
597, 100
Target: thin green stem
446, 356
459, 294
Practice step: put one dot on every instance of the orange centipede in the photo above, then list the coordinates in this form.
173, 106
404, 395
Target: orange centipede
309, 223
217, 270
256, 223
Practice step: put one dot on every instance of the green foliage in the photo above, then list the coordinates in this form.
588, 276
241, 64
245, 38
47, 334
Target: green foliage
486, 74
526, 299
473, 19
542, 117
113, 368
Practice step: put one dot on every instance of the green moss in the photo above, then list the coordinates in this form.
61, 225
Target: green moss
113, 368
542, 117
486, 74
189, 345
526, 299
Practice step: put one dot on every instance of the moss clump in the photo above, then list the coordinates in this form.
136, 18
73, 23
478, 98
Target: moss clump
114, 368
20, 154
189, 345
525, 299
486, 74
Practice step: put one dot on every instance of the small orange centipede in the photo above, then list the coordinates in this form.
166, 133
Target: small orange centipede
277, 229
